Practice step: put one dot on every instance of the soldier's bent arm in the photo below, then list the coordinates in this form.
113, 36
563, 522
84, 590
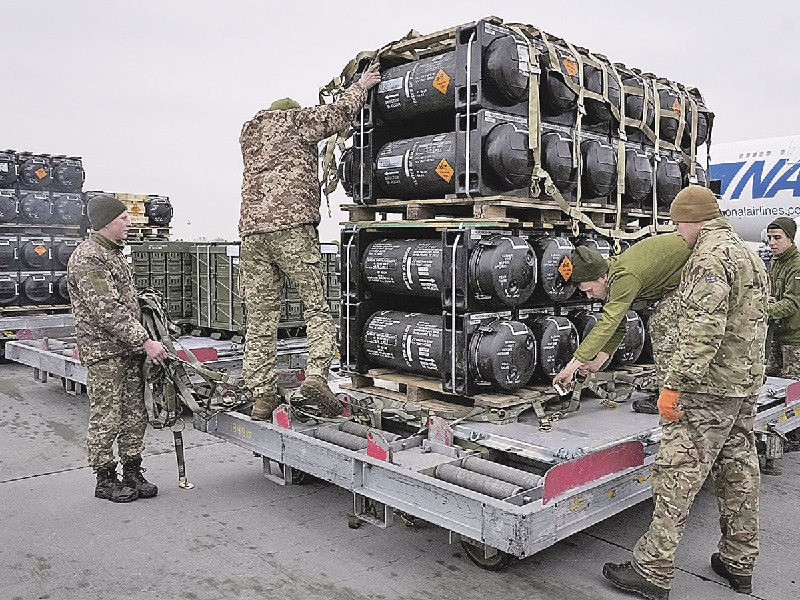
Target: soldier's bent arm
704, 295
318, 122
107, 310
789, 304
610, 329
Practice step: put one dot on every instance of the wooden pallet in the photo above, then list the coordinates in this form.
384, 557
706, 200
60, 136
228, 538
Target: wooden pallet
494, 211
149, 233
421, 389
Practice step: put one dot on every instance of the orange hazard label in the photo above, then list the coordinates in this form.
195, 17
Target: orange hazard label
40, 250
565, 268
135, 209
445, 171
571, 66
676, 106
441, 81
41, 173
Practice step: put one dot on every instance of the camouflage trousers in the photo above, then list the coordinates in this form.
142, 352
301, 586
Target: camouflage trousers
266, 258
715, 434
662, 327
783, 360
115, 387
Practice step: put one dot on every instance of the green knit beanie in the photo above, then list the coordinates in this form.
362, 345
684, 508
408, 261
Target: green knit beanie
284, 104
103, 209
788, 225
587, 265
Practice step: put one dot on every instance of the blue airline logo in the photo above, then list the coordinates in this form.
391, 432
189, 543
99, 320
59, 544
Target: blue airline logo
765, 185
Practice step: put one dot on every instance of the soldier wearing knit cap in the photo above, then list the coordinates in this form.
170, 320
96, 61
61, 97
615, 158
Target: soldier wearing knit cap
113, 345
642, 277
783, 347
708, 403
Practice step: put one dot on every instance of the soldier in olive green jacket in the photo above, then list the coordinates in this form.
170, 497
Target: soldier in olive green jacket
783, 347
643, 276
784, 311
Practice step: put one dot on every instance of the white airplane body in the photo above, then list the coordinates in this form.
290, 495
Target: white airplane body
759, 180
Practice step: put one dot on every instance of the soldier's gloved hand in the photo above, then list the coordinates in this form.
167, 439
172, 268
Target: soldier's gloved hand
668, 404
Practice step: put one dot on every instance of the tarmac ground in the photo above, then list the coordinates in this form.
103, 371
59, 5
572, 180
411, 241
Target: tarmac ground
238, 535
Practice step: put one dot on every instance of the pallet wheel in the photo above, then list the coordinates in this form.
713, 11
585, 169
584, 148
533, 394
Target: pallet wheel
496, 562
301, 477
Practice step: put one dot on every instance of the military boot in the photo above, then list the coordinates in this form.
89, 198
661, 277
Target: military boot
742, 584
109, 487
132, 476
316, 391
647, 406
625, 577
263, 407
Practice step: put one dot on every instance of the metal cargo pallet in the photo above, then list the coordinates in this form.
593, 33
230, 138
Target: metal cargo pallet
590, 466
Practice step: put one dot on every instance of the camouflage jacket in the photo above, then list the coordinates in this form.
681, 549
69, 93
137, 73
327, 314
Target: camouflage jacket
784, 314
722, 321
640, 276
280, 185
105, 303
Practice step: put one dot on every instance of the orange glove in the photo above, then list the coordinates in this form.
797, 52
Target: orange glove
668, 405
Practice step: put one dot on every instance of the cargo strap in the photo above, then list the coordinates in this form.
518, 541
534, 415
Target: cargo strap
168, 388
330, 92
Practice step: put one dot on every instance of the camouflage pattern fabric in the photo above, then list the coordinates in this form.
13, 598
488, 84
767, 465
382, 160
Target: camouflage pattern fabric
723, 317
663, 331
715, 434
718, 368
105, 303
280, 186
266, 258
783, 360
115, 387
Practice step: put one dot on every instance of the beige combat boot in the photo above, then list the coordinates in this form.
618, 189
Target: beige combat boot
316, 391
263, 407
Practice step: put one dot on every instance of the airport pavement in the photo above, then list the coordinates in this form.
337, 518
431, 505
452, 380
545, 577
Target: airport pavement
238, 535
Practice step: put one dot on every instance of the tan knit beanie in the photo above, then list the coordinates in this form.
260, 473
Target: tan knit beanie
694, 204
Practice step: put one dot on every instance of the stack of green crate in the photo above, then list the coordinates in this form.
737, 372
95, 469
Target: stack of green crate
200, 283
163, 267
216, 302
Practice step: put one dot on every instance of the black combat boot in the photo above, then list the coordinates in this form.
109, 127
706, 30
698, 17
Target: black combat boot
263, 407
742, 584
109, 487
625, 577
316, 391
647, 406
132, 476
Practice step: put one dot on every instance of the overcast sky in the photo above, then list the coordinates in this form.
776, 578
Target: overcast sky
152, 94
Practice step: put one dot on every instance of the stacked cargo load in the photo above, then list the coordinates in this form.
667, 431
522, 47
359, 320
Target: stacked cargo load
485, 155
150, 214
42, 220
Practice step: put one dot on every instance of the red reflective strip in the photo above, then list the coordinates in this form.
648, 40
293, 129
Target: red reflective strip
793, 392
591, 467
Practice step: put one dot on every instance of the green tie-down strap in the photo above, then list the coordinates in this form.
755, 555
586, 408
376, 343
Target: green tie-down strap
168, 387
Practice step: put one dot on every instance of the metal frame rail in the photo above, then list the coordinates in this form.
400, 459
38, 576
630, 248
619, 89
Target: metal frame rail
401, 474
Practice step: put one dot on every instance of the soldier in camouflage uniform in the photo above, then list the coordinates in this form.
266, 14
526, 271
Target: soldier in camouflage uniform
645, 275
708, 403
113, 344
783, 349
278, 227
